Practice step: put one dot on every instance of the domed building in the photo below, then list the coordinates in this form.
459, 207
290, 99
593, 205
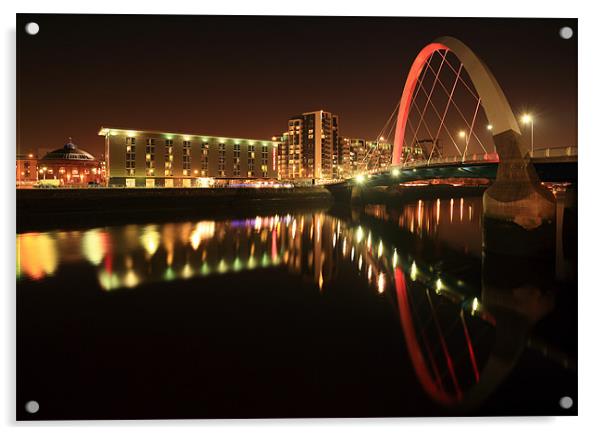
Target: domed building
72, 165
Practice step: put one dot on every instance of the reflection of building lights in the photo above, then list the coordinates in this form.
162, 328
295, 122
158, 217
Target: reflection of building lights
205, 269
359, 263
381, 282
413, 271
380, 248
37, 255
369, 273
150, 239
169, 274
352, 252
265, 261
394, 257
203, 230
187, 271
359, 234
321, 280
130, 279
251, 262
222, 267
108, 281
475, 304
94, 246
344, 246
438, 285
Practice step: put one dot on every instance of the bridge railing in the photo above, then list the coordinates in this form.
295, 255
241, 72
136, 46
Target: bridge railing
554, 152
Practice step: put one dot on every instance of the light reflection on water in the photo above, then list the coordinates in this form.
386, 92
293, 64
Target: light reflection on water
131, 255
446, 324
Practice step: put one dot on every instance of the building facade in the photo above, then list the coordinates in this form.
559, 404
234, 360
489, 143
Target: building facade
27, 169
71, 166
309, 146
357, 155
138, 158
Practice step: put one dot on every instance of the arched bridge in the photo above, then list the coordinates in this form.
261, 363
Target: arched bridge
454, 121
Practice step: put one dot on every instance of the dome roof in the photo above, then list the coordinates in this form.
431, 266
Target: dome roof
69, 152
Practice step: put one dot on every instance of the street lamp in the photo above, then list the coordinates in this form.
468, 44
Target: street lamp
462, 135
528, 119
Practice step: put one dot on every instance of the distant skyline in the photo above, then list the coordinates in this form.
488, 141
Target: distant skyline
244, 77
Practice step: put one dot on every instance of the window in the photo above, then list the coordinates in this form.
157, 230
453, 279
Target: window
221, 160
236, 161
251, 160
150, 157
186, 157
204, 159
264, 161
130, 157
169, 158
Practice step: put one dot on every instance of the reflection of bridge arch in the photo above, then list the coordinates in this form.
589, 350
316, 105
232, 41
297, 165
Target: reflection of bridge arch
495, 103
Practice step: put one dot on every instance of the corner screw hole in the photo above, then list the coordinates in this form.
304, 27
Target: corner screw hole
32, 28
32, 407
566, 33
566, 402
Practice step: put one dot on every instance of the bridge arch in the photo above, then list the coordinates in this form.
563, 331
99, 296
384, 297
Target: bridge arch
494, 102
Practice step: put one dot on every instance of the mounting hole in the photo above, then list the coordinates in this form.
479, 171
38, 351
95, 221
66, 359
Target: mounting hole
32, 407
566, 33
566, 402
32, 28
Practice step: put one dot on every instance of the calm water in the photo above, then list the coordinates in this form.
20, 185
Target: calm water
377, 311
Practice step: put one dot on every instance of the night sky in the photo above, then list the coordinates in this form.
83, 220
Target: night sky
245, 76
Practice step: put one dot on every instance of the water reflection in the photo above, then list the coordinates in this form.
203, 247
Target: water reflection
456, 329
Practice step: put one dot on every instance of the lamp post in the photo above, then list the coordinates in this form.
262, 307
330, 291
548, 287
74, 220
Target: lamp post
528, 119
462, 135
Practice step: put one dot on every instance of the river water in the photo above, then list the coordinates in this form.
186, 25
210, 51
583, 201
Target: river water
356, 312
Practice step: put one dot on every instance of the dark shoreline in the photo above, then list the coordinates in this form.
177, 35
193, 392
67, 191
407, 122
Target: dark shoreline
47, 209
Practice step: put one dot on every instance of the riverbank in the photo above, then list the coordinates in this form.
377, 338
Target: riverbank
52, 208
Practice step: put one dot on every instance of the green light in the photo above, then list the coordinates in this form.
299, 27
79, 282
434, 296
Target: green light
265, 261
360, 178
395, 172
205, 269
169, 274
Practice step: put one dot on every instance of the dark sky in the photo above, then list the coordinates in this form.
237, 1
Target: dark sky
245, 76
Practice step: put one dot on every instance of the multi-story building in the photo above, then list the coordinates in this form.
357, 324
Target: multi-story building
27, 169
381, 153
357, 154
138, 158
309, 146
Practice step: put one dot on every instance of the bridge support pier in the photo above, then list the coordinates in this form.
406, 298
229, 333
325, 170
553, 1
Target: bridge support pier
518, 203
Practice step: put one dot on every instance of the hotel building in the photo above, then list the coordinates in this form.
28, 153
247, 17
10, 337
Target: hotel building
138, 158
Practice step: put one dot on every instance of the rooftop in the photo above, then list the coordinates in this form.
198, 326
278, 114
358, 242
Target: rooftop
105, 131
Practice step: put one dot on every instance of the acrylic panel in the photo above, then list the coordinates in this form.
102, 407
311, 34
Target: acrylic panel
295, 217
